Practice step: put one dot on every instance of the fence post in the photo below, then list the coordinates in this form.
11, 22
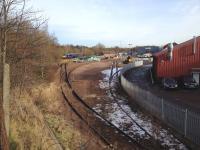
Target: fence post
6, 96
162, 101
117, 68
185, 126
111, 72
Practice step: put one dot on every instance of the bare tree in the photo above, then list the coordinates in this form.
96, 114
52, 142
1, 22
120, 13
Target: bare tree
22, 36
16, 23
8, 21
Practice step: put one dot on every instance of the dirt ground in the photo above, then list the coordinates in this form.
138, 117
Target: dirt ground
85, 81
91, 140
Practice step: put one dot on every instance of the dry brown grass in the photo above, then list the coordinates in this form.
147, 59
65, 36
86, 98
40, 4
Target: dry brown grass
28, 127
35, 115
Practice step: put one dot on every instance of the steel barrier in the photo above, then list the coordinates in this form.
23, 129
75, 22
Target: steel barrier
185, 121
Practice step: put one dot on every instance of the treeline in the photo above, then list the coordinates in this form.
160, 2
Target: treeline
98, 49
27, 50
25, 42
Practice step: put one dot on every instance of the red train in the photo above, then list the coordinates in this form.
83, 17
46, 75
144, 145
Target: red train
178, 60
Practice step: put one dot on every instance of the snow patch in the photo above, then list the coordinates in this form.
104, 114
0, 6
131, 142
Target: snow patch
115, 114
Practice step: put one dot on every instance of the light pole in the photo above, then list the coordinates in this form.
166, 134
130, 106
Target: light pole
130, 45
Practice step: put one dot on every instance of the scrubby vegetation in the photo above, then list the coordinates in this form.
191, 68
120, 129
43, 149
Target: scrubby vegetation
98, 49
33, 55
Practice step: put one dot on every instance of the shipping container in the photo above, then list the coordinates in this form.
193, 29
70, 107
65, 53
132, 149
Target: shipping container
179, 61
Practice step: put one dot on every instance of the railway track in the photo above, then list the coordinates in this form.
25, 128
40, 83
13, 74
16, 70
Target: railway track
77, 113
136, 142
85, 121
113, 92
115, 98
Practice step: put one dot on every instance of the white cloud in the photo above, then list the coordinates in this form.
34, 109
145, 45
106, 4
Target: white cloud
111, 21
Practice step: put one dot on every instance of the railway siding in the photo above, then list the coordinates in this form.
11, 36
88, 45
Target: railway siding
65, 76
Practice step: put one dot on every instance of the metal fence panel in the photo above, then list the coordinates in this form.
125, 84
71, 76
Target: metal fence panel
185, 122
174, 116
193, 127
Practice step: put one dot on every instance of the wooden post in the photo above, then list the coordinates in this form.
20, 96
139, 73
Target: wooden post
6, 96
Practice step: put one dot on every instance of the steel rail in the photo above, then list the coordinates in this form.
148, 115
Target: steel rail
107, 121
78, 114
97, 114
84, 120
127, 114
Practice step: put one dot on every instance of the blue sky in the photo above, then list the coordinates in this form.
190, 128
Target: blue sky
120, 22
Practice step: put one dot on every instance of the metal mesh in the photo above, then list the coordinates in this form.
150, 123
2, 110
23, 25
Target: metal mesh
184, 121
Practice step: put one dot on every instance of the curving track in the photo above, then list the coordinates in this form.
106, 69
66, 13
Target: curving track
115, 98
164, 133
65, 75
85, 121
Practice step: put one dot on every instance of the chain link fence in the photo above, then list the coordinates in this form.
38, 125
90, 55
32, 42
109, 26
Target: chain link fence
178, 117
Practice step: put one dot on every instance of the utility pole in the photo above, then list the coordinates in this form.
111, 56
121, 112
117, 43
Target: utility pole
129, 45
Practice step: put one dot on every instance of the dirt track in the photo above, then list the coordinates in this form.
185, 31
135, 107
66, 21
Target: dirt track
85, 81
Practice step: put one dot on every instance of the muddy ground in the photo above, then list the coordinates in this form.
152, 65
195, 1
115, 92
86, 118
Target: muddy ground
88, 81
88, 139
85, 81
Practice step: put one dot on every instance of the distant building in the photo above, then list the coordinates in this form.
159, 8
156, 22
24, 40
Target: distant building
140, 50
178, 60
111, 55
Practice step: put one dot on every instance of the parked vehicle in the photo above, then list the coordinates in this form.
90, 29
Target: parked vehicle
169, 83
70, 56
189, 82
127, 60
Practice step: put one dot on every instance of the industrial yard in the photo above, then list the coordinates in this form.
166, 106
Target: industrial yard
99, 75
115, 106
185, 97
118, 100
116, 95
100, 100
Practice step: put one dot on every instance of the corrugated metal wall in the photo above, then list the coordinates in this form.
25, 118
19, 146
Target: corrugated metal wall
184, 59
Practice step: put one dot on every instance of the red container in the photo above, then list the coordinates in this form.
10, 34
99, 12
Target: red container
183, 60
